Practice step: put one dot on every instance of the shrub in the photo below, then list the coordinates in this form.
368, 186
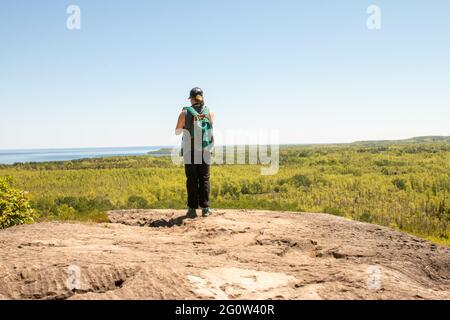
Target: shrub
366, 217
137, 202
399, 183
232, 188
334, 211
66, 212
83, 204
301, 180
14, 206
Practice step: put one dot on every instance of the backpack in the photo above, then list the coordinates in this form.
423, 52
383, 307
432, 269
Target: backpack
201, 123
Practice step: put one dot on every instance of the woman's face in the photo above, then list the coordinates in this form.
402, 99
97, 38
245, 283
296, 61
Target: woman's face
192, 101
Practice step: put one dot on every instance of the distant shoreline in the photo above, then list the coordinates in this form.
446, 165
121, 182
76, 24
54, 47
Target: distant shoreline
12, 156
439, 138
8, 157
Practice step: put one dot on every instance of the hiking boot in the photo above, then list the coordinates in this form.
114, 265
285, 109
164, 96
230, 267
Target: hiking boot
191, 213
206, 212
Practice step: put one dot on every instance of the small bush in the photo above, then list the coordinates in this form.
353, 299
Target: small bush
301, 181
14, 206
334, 211
399, 183
366, 217
83, 204
66, 212
137, 202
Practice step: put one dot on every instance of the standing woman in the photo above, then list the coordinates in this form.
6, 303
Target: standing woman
195, 122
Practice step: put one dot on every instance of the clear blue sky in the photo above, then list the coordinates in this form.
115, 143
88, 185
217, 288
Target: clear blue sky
311, 69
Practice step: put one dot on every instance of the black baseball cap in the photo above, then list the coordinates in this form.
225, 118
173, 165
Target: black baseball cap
195, 92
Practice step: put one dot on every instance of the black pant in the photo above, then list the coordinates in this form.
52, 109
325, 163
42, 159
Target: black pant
197, 184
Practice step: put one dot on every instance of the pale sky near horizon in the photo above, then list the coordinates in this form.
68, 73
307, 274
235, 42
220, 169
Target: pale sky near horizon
310, 69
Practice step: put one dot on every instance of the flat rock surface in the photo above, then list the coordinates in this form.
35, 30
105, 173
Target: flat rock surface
233, 254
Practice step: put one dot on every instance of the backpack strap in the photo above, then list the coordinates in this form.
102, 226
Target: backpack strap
191, 110
199, 116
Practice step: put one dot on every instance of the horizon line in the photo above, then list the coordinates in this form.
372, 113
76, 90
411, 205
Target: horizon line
170, 146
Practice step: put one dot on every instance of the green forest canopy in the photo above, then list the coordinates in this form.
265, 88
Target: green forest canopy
400, 184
